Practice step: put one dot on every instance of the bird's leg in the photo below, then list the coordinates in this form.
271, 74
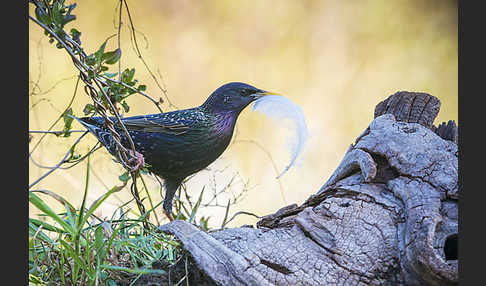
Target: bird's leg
169, 216
171, 186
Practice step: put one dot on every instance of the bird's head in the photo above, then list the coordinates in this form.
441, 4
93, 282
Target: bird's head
234, 96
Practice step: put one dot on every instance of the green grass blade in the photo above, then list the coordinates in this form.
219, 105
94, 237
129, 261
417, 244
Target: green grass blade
61, 263
57, 197
196, 207
134, 270
83, 203
36, 201
98, 202
36, 223
98, 242
71, 219
112, 239
77, 261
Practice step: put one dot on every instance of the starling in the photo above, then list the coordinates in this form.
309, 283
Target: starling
179, 143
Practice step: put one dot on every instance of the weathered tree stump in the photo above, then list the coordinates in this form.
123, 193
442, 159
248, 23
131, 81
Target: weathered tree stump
388, 215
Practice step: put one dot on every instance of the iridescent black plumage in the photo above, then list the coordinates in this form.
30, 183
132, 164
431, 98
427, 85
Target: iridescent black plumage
179, 143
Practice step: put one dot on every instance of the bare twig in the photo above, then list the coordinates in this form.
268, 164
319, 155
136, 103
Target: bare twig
58, 164
73, 163
52, 87
56, 132
119, 36
59, 118
237, 214
136, 195
150, 200
157, 104
35, 84
139, 54
271, 160
226, 214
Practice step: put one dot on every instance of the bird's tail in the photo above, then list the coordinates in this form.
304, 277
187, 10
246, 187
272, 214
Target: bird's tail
95, 125
85, 121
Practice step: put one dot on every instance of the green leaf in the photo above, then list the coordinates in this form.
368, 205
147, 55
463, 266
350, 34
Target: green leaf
85, 194
34, 280
42, 16
196, 207
98, 202
99, 53
110, 75
36, 201
77, 261
134, 270
142, 87
88, 109
68, 17
75, 34
90, 60
72, 156
111, 57
203, 222
70, 8
71, 219
124, 177
68, 120
98, 238
112, 238
125, 106
133, 83
45, 225
37, 233
127, 76
56, 14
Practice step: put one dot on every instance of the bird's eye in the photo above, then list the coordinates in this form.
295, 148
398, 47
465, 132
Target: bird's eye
248, 92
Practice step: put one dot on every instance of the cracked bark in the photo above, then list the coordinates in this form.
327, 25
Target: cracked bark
386, 216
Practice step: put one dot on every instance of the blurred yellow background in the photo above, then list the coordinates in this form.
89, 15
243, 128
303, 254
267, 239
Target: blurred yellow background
334, 59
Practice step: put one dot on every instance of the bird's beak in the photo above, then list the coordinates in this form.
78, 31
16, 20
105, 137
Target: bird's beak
263, 93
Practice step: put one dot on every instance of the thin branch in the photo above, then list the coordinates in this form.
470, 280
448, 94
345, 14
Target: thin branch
150, 200
58, 164
226, 214
119, 40
271, 160
237, 214
59, 118
157, 104
136, 195
139, 54
35, 84
56, 132
52, 87
73, 163
71, 53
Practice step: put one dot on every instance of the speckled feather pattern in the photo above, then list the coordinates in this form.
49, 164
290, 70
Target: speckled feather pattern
175, 144
179, 143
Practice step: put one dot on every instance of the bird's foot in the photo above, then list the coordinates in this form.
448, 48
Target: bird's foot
169, 216
140, 161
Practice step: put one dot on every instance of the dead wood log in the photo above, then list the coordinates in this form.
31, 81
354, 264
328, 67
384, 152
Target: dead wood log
388, 215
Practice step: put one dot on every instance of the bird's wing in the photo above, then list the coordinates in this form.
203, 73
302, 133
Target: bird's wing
157, 124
